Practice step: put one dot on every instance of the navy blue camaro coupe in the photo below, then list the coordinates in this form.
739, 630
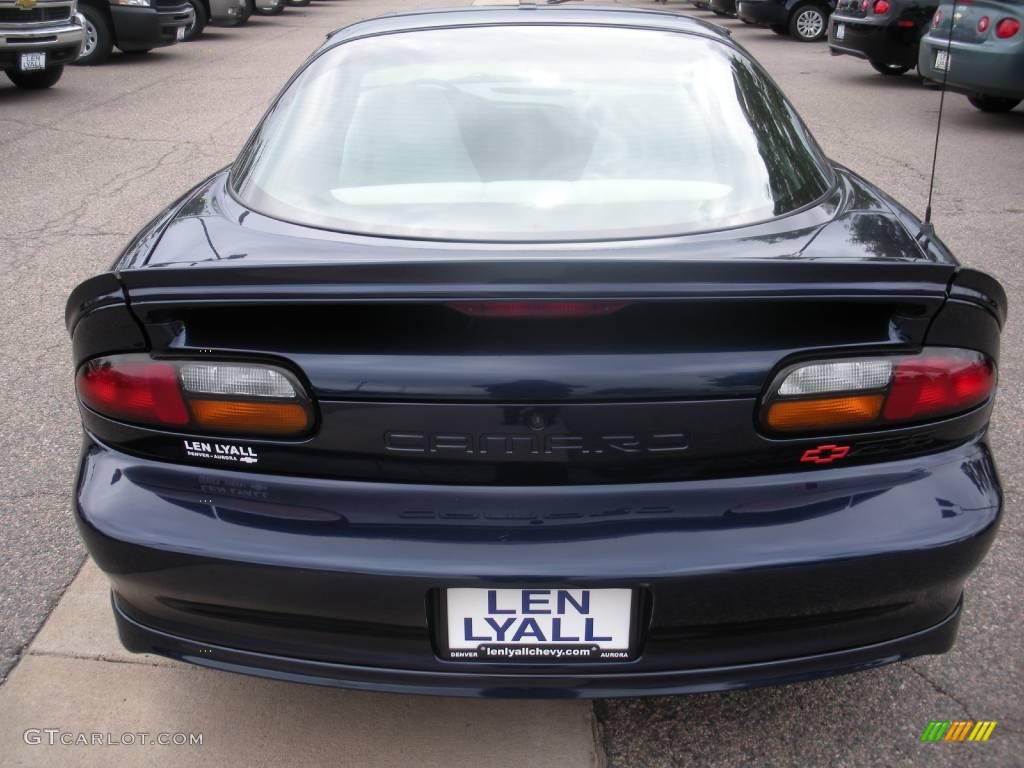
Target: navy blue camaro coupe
536, 352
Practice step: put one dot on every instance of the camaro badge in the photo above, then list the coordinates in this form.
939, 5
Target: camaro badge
25, 5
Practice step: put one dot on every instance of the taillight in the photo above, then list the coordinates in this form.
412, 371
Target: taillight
875, 392
864, 6
983, 23
1007, 28
537, 309
881, 7
133, 390
196, 396
936, 19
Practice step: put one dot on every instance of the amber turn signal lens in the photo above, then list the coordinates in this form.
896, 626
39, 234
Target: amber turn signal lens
818, 414
242, 417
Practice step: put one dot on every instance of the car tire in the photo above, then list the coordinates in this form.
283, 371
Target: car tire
99, 38
35, 81
201, 18
809, 23
992, 103
299, 3
890, 69
779, 29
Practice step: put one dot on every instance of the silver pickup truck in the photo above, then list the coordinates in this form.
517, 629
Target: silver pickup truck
37, 38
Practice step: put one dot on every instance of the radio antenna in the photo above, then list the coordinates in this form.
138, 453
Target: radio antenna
938, 125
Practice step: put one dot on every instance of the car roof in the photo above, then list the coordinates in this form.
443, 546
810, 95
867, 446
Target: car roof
515, 15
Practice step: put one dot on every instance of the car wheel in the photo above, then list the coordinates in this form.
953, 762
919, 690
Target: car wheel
35, 81
890, 69
809, 23
98, 39
992, 103
199, 20
779, 29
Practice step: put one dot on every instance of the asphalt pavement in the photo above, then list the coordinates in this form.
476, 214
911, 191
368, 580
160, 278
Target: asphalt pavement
84, 165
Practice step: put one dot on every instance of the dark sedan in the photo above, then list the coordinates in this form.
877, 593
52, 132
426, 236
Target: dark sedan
502, 363
885, 32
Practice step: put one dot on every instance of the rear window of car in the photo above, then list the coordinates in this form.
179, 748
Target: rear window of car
530, 133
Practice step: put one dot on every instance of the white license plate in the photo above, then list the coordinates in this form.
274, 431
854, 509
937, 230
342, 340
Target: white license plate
840, 31
181, 34
942, 60
539, 625
32, 61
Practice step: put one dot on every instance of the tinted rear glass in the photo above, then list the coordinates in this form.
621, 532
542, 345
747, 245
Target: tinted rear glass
529, 133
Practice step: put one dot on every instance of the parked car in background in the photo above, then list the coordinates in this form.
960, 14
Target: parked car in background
457, 382
982, 58
133, 26
219, 12
37, 38
805, 20
885, 32
723, 7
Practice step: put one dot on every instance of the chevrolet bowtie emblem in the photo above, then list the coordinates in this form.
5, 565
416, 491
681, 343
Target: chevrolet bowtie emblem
25, 5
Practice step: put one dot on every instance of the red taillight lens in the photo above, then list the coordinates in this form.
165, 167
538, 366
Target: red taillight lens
879, 391
983, 23
145, 392
880, 7
196, 396
933, 386
864, 6
537, 309
1007, 28
936, 19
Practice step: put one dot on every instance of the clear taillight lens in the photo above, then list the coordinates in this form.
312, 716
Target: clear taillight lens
840, 376
243, 380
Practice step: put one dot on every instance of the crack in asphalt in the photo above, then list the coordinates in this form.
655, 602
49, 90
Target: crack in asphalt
940, 690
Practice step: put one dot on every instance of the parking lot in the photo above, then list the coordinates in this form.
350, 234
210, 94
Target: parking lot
87, 163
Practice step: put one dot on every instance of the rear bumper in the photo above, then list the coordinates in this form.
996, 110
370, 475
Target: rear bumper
61, 43
745, 582
882, 44
976, 68
138, 28
763, 12
935, 639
